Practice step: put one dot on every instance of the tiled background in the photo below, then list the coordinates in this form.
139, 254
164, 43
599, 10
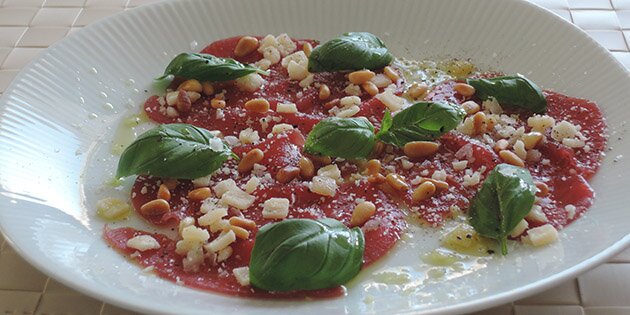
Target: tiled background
29, 26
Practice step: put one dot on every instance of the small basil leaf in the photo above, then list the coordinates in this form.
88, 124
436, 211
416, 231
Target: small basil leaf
350, 51
206, 67
386, 124
420, 122
174, 151
516, 91
505, 198
341, 137
305, 254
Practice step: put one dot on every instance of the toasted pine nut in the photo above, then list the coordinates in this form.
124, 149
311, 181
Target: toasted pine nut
307, 48
379, 147
307, 169
420, 149
171, 183
155, 207
207, 88
191, 85
245, 46
470, 107
184, 104
287, 174
501, 144
200, 194
320, 159
423, 192
362, 213
532, 139
464, 89
511, 158
240, 232
324, 92
440, 185
193, 96
164, 192
543, 189
216, 103
242, 222
370, 88
258, 105
331, 104
373, 167
376, 178
396, 181
391, 73
252, 157
360, 76
416, 90
479, 123
490, 123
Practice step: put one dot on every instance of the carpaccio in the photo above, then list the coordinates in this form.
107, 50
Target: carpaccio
463, 160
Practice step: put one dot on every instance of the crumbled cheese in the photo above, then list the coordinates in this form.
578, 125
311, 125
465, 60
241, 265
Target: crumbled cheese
221, 225
248, 136
439, 175
171, 112
324, 186
519, 228
213, 216
542, 235
184, 223
193, 260
195, 234
237, 199
492, 106
224, 186
286, 108
519, 149
281, 128
306, 82
471, 179
222, 241
171, 98
250, 82
536, 214
296, 71
349, 101
259, 170
242, 275
352, 89
231, 140
467, 127
381, 80
406, 164
346, 112
298, 57
563, 130
216, 144
275, 208
285, 45
330, 171
460, 165
263, 64
272, 54
209, 204
224, 254
143, 243
540, 123
252, 184
570, 209
202, 181
573, 143
390, 100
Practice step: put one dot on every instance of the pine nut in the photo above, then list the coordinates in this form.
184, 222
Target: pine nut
193, 96
171, 183
423, 192
471, 107
307, 169
373, 167
511, 158
164, 192
331, 104
360, 77
420, 149
207, 88
376, 178
370, 88
245, 46
440, 185
396, 181
200, 194
216, 103
324, 92
240, 232
543, 189
320, 159
416, 90
391, 74
242, 222
287, 174
155, 207
362, 213
307, 48
501, 144
532, 139
379, 147
258, 105
479, 123
191, 85
464, 89
183, 102
252, 157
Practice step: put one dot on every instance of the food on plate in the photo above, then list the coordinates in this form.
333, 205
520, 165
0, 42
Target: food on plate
284, 166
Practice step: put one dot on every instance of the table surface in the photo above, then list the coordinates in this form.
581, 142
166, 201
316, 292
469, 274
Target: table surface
27, 27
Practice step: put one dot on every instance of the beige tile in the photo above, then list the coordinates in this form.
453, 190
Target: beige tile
548, 310
500, 310
9, 35
42, 36
64, 3
68, 304
16, 16
17, 274
596, 19
2, 240
611, 40
19, 57
590, 4
624, 257
114, 310
565, 293
106, 3
6, 76
18, 302
89, 15
606, 285
23, 3
607, 310
56, 17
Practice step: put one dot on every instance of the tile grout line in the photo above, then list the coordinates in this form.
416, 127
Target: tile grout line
41, 295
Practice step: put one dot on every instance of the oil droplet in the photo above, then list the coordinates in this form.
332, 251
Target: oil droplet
92, 116
193, 45
103, 94
108, 106
82, 100
93, 71
130, 82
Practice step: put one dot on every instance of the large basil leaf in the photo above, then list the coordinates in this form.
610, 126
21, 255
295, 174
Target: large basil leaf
341, 137
516, 91
505, 198
420, 122
174, 151
305, 254
206, 67
350, 51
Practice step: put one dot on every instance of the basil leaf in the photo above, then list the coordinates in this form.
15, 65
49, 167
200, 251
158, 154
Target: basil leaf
341, 137
386, 124
350, 51
305, 254
420, 122
206, 67
505, 198
516, 91
174, 151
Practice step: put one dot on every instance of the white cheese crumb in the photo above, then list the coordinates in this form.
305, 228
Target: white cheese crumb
439, 175
540, 123
286, 108
215, 144
391, 101
281, 128
381, 80
323, 185
222, 241
237, 199
330, 171
250, 82
143, 243
224, 186
185, 222
519, 228
224, 254
213, 216
298, 57
296, 71
536, 214
242, 275
306, 82
570, 209
460, 165
542, 235
195, 234
352, 89
202, 181
275, 208
252, 184
248, 136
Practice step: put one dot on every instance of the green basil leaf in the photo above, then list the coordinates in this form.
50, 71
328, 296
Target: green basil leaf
386, 124
350, 51
505, 198
420, 122
174, 151
347, 138
206, 67
516, 91
305, 254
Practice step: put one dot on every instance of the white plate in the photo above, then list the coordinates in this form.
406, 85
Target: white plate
55, 133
